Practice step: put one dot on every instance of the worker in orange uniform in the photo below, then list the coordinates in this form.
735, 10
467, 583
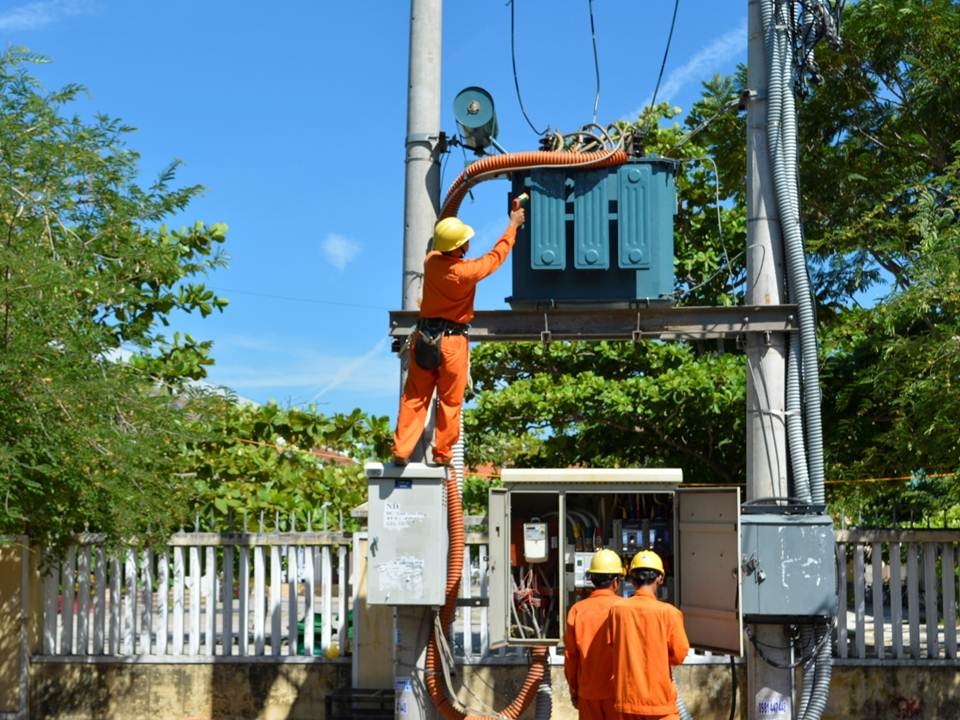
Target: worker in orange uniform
587, 656
446, 309
647, 639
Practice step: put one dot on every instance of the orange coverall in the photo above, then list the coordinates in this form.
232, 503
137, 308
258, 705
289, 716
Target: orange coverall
587, 656
647, 638
449, 288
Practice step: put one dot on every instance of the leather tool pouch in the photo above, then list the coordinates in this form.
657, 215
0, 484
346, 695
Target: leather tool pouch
426, 349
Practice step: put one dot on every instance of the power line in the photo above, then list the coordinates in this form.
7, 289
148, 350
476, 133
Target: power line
666, 52
596, 63
513, 59
313, 301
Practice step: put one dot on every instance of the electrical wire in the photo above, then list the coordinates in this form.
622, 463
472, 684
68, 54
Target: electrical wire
728, 263
596, 63
733, 688
666, 52
447, 666
802, 661
726, 107
513, 60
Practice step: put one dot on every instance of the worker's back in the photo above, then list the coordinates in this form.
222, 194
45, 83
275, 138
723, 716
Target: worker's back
647, 638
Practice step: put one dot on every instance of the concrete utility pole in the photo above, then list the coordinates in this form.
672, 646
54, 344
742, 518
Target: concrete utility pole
413, 624
421, 199
769, 688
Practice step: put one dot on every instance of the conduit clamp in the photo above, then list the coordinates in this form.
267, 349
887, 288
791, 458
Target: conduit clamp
637, 332
545, 335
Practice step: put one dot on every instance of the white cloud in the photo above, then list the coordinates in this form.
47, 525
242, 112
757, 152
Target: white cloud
303, 371
35, 15
706, 63
348, 373
339, 250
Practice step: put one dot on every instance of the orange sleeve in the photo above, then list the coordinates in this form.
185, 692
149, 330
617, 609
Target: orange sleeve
677, 642
571, 652
450, 283
475, 270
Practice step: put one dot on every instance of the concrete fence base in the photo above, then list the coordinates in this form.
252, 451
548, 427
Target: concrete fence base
291, 691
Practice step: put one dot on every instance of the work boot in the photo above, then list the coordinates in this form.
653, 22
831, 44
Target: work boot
401, 461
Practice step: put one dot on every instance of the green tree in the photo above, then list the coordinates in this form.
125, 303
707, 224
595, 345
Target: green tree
884, 128
251, 464
90, 274
880, 128
895, 367
609, 404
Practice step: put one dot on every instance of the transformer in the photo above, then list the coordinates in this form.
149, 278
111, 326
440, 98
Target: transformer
596, 236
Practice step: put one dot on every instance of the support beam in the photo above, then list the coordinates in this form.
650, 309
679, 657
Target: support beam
635, 324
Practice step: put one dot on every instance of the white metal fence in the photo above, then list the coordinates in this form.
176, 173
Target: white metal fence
257, 596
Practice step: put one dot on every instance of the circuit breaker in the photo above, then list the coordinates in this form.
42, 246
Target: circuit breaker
789, 565
408, 538
545, 524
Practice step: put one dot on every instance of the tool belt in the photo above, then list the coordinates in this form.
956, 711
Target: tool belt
427, 337
441, 326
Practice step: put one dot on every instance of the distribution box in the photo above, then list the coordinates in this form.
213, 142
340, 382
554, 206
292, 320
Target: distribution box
408, 539
789, 567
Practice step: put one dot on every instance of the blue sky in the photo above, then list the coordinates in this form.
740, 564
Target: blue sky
292, 114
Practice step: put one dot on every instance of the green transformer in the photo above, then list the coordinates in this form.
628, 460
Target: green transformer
596, 236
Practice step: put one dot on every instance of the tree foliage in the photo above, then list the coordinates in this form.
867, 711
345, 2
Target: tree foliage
881, 126
885, 126
609, 405
90, 274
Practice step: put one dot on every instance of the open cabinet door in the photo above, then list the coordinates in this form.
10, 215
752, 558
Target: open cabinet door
708, 567
498, 567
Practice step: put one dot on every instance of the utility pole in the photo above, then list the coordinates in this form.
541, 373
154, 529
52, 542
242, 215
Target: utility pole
413, 623
769, 687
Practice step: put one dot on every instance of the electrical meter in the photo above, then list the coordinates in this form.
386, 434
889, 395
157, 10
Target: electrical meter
535, 542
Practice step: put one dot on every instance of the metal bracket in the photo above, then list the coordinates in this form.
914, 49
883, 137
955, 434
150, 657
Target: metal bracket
473, 602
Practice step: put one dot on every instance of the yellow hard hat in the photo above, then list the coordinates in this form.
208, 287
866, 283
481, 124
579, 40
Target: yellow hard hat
647, 560
605, 562
450, 233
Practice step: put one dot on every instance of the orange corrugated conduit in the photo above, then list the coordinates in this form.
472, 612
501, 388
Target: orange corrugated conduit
486, 169
538, 666
496, 165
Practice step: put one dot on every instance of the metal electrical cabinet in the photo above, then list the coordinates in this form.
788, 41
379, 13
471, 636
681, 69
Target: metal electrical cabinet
789, 567
408, 540
544, 525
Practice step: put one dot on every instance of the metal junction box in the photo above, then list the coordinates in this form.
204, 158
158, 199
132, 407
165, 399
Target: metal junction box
596, 236
408, 539
789, 567
545, 524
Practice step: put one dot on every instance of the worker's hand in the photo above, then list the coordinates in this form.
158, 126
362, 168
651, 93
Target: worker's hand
518, 217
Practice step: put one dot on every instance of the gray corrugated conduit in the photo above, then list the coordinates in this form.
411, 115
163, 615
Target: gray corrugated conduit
805, 437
